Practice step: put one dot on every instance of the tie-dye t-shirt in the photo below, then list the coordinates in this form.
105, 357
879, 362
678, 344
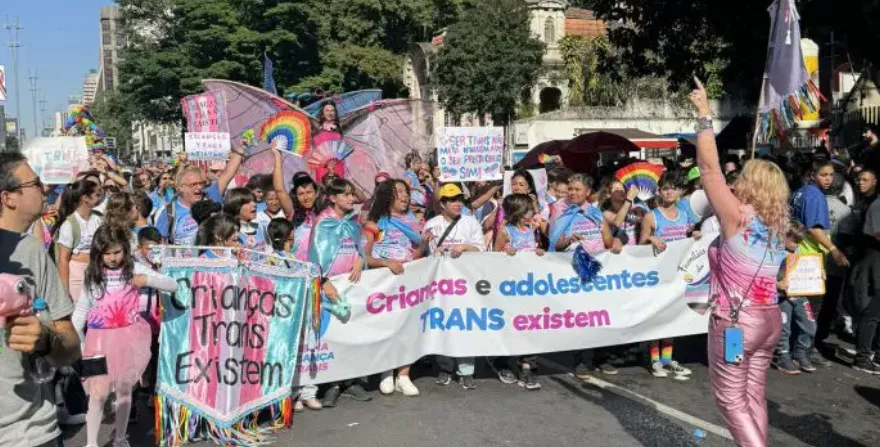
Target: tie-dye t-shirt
670, 230
392, 244
522, 240
744, 267
348, 251
120, 304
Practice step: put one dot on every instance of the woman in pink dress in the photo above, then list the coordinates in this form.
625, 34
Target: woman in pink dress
744, 261
328, 132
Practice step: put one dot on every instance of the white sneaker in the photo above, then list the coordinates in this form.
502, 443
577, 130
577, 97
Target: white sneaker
121, 443
657, 370
386, 385
404, 385
298, 406
676, 368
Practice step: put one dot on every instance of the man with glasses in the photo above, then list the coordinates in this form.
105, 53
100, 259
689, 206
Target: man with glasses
27, 413
175, 221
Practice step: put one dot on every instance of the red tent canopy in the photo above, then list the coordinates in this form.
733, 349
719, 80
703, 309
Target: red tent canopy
580, 154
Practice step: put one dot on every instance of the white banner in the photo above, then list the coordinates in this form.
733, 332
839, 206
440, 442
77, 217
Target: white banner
470, 153
490, 304
207, 146
57, 160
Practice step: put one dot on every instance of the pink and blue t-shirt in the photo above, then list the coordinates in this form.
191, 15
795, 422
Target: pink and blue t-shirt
393, 244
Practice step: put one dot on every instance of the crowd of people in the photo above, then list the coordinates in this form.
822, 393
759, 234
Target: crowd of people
88, 253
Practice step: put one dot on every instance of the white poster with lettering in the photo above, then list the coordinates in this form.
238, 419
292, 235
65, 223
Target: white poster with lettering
470, 153
57, 160
207, 146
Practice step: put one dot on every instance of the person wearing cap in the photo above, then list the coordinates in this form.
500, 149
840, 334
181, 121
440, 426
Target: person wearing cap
452, 233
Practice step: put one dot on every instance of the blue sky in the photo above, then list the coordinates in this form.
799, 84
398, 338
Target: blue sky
60, 41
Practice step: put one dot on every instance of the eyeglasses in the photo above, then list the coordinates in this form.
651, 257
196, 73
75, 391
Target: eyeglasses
36, 182
194, 184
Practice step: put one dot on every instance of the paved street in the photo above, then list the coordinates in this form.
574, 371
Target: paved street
833, 407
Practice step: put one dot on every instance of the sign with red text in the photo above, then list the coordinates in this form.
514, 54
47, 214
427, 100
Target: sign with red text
470, 153
492, 304
207, 146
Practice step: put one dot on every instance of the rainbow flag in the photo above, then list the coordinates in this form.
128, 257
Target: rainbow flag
288, 131
229, 342
642, 175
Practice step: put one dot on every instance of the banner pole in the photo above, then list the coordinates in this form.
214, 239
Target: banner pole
758, 115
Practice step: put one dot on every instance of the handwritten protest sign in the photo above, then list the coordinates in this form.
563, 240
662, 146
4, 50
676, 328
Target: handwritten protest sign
207, 146
805, 274
470, 153
540, 178
230, 338
57, 160
205, 112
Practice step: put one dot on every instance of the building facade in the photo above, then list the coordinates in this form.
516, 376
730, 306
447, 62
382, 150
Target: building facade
112, 40
551, 21
153, 141
90, 87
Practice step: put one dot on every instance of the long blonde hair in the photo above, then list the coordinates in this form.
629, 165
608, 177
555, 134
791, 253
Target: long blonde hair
762, 186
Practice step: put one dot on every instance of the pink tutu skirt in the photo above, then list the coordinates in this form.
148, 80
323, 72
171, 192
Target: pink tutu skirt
77, 276
127, 351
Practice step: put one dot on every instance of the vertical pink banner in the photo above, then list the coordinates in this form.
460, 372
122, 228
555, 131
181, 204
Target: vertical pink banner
205, 112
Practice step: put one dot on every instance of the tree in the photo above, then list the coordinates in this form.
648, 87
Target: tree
725, 42
336, 45
489, 56
12, 143
114, 114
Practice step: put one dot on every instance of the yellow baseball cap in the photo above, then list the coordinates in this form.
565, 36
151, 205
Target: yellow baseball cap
449, 191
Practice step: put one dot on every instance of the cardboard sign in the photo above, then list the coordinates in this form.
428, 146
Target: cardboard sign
470, 153
805, 274
207, 146
57, 160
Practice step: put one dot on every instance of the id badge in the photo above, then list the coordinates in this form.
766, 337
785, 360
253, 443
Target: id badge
733, 345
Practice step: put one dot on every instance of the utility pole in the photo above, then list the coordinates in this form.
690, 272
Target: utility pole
43, 111
14, 45
34, 78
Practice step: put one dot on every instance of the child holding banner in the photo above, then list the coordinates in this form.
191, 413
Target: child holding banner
392, 239
335, 247
515, 236
666, 223
118, 337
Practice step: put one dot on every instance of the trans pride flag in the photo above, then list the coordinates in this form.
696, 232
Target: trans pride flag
228, 348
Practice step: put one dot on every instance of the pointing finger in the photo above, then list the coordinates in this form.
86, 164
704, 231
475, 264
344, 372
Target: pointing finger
699, 84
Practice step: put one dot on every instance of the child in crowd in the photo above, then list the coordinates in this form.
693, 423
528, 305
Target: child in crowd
147, 238
336, 248
242, 204
515, 236
795, 310
109, 306
220, 230
74, 229
666, 223
392, 238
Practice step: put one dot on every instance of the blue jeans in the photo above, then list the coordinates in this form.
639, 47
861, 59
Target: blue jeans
798, 312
